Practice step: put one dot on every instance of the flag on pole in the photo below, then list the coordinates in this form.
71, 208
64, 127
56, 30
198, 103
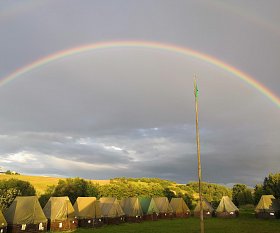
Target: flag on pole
195, 89
198, 157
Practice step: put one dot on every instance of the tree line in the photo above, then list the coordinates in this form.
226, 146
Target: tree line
141, 187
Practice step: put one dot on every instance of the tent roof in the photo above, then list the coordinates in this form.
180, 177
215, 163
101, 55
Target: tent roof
131, 206
110, 207
206, 206
3, 222
179, 205
163, 205
107, 199
59, 208
98, 213
268, 203
226, 205
87, 207
25, 210
148, 205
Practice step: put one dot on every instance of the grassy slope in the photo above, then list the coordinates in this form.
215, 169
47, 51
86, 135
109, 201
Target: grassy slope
41, 183
243, 224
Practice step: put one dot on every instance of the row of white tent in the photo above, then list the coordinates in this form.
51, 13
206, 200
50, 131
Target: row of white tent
267, 207
26, 214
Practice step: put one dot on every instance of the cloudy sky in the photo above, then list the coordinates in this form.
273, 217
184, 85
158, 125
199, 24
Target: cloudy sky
130, 111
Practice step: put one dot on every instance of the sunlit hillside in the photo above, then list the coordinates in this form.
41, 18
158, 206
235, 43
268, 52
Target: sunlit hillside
125, 187
41, 183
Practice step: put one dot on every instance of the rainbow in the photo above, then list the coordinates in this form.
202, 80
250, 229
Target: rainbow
244, 13
144, 44
14, 9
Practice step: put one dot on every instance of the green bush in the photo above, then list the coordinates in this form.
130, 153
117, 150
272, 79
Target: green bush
11, 188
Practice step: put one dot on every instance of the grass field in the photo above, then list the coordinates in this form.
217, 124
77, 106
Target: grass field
246, 223
41, 183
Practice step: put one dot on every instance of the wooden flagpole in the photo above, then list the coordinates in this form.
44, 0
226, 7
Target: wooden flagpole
198, 157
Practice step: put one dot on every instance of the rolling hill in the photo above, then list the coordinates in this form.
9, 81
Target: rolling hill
41, 183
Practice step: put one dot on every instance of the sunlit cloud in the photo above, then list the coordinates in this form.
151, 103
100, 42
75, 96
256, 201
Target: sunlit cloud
21, 157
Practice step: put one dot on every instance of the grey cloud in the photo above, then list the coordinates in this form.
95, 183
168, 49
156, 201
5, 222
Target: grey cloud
135, 106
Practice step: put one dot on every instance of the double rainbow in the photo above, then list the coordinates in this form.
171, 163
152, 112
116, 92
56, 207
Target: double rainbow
144, 44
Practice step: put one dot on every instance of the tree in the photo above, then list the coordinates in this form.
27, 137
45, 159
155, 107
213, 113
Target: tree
8, 197
11, 188
212, 192
236, 189
92, 189
168, 193
43, 199
258, 192
271, 185
74, 188
119, 190
241, 195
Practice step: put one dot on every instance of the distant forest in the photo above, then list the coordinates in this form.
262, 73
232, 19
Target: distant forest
141, 187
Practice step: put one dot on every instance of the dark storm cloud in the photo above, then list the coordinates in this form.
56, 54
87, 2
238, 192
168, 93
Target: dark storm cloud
130, 112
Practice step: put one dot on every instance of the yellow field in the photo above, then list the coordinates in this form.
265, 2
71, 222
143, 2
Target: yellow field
41, 183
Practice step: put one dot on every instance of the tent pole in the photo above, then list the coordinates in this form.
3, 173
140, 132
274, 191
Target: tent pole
198, 156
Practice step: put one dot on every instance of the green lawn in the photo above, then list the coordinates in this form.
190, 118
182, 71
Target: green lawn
246, 223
